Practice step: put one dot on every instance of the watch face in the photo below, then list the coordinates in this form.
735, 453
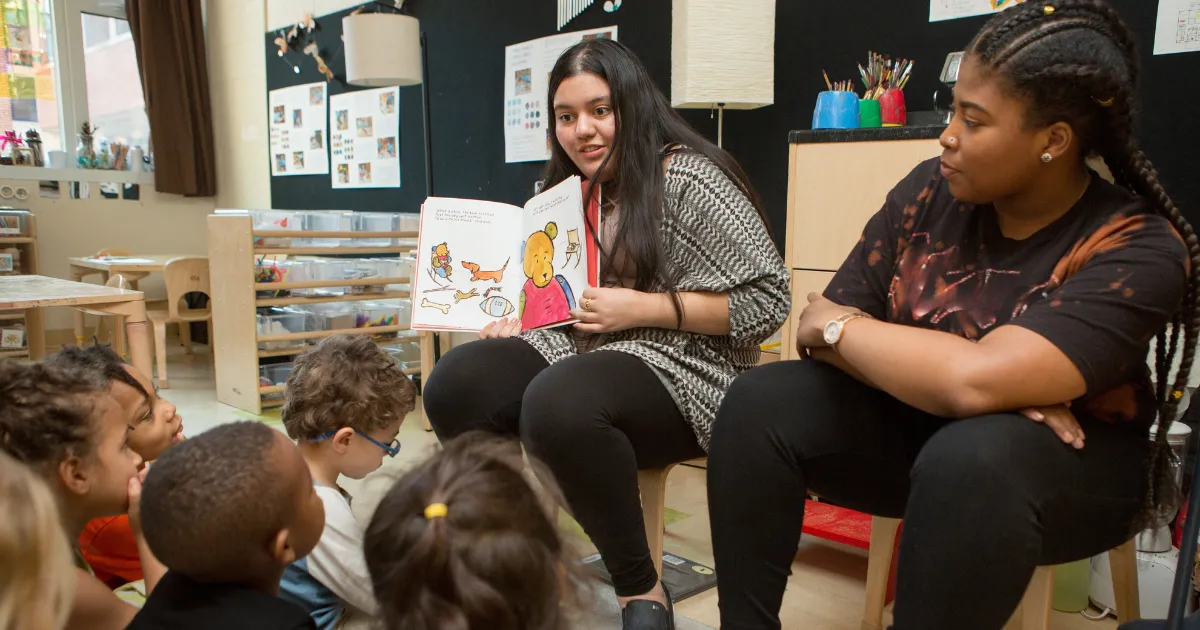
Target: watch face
831, 332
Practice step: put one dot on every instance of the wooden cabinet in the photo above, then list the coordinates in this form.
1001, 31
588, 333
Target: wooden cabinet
834, 188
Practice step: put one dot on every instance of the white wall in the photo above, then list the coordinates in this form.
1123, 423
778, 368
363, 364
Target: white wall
238, 86
285, 13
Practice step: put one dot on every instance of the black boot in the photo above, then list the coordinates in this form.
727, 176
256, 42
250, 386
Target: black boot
643, 614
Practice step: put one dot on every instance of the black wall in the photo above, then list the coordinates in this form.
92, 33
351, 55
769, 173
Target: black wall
466, 65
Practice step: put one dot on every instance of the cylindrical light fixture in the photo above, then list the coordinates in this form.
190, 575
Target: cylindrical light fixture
382, 49
722, 52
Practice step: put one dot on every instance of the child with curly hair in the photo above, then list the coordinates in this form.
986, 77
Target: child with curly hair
65, 424
345, 400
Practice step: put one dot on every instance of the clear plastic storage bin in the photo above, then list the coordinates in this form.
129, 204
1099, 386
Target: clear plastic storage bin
14, 222
275, 220
375, 222
407, 354
372, 314
281, 321
331, 316
326, 221
271, 375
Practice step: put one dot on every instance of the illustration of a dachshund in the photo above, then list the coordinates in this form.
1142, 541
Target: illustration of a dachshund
483, 276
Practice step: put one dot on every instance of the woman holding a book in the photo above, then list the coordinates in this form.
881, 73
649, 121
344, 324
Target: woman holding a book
691, 284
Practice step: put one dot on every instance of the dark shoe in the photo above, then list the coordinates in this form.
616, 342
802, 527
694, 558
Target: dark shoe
643, 614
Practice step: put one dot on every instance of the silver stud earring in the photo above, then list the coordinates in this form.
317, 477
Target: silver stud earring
1046, 157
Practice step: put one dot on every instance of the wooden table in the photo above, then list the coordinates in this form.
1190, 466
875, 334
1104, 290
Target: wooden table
134, 268
23, 292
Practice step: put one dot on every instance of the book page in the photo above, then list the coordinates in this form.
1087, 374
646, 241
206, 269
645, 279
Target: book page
555, 259
467, 274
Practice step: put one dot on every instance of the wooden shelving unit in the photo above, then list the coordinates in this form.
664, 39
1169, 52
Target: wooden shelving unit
231, 255
35, 333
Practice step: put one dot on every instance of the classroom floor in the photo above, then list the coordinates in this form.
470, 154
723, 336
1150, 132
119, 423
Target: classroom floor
825, 591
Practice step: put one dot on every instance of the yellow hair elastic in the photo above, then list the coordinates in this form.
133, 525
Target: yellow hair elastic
436, 510
1048, 10
1108, 102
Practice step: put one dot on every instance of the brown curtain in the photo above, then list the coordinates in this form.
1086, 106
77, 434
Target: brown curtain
169, 39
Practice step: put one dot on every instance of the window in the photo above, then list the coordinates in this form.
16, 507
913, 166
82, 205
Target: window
63, 62
115, 105
28, 86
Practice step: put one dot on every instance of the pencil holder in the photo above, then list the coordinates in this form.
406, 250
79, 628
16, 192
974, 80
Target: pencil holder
836, 110
892, 110
868, 114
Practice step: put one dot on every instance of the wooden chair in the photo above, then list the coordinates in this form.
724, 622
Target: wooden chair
118, 335
1034, 611
116, 281
182, 275
653, 484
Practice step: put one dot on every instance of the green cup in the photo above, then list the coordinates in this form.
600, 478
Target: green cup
868, 114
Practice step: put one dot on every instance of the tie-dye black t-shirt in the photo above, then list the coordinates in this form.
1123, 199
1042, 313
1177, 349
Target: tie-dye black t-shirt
1099, 283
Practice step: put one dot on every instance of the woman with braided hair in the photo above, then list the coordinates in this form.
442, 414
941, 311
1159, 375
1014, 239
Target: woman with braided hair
977, 366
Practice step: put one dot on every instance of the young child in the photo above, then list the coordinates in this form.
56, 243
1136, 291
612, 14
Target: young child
65, 425
108, 543
463, 541
226, 512
36, 573
345, 401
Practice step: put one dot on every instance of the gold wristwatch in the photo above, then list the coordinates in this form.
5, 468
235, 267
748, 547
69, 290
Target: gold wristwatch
833, 330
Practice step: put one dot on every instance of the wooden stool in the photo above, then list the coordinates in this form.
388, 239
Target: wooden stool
653, 484
1033, 613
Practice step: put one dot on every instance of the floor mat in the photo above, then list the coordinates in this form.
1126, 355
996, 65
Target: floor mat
683, 577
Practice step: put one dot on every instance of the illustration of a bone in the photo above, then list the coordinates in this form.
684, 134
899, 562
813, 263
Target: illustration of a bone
444, 308
460, 296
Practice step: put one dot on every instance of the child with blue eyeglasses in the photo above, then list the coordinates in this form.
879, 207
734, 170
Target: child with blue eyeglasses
345, 400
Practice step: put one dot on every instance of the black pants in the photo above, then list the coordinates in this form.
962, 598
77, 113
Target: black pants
984, 500
594, 419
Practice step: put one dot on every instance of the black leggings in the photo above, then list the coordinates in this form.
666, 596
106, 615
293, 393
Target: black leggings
984, 500
594, 419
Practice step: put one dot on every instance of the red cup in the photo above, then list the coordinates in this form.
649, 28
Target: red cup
891, 108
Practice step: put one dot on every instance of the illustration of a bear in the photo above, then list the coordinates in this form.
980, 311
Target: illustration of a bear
546, 298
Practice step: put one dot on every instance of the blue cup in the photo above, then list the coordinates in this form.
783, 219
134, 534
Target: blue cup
836, 110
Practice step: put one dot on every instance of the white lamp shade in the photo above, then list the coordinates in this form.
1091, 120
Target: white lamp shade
722, 51
382, 49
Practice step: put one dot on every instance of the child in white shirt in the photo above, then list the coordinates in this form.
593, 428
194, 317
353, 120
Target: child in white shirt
345, 401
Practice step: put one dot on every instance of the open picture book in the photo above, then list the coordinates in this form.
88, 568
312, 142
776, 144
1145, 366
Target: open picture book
481, 261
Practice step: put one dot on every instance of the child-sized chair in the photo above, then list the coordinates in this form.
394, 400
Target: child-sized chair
182, 275
653, 484
1034, 610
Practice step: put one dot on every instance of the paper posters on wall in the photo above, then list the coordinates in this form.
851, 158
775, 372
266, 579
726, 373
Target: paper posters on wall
365, 138
953, 9
527, 69
299, 117
1178, 28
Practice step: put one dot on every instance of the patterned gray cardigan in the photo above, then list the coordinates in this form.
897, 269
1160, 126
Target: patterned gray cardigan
714, 236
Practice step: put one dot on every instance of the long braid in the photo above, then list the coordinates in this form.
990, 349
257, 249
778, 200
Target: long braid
1075, 61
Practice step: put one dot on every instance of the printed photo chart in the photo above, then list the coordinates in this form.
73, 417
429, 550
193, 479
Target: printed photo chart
299, 129
953, 9
1178, 28
364, 140
527, 69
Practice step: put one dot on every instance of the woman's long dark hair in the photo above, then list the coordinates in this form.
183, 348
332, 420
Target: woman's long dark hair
646, 124
1075, 61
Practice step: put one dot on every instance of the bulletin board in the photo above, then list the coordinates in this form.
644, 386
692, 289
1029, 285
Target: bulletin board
317, 192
